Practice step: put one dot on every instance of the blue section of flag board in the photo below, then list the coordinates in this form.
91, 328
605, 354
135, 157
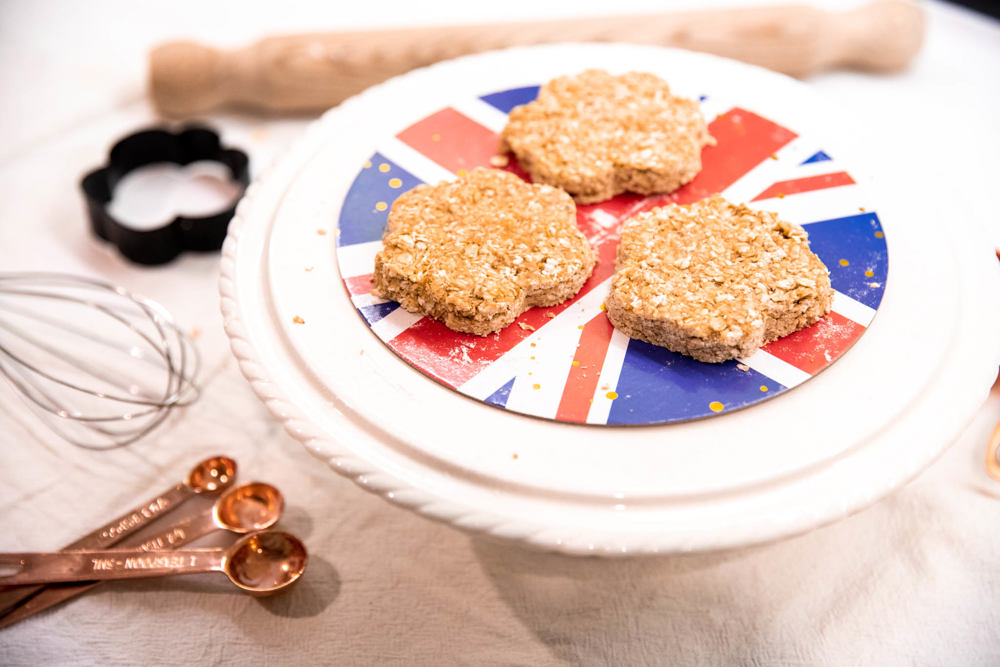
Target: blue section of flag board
657, 385
373, 314
360, 220
852, 239
508, 99
500, 396
818, 156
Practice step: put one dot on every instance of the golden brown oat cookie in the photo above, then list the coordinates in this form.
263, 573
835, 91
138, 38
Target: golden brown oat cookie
715, 280
595, 135
477, 252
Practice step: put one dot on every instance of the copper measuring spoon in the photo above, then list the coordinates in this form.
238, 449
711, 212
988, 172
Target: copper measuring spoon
260, 563
209, 477
245, 509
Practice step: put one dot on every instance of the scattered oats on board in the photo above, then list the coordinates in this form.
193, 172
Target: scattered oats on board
596, 135
714, 280
477, 252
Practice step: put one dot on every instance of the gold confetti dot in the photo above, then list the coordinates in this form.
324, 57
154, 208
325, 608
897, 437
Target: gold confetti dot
536, 386
780, 195
298, 320
384, 167
462, 173
879, 235
861, 208
395, 183
715, 406
763, 387
576, 363
513, 456
435, 137
612, 395
603, 307
367, 164
532, 358
774, 156
844, 262
579, 326
381, 206
309, 268
869, 273
532, 345
321, 232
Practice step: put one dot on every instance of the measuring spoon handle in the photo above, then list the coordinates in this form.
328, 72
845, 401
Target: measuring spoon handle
62, 566
111, 533
176, 535
131, 522
181, 533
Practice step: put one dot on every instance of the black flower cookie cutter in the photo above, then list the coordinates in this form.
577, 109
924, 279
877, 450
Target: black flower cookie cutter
192, 143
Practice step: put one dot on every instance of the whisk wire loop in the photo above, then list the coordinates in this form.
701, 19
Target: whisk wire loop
101, 365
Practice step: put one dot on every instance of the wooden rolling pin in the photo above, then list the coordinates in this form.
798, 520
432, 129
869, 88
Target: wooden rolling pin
298, 73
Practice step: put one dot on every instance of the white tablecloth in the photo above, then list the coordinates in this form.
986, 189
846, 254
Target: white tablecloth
913, 579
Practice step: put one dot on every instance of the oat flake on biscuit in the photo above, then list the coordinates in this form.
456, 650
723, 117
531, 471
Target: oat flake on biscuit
477, 252
714, 280
596, 135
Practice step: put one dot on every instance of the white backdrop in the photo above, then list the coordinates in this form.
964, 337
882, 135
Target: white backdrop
914, 579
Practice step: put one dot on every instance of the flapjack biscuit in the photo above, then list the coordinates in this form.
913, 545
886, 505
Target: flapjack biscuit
596, 135
477, 252
714, 280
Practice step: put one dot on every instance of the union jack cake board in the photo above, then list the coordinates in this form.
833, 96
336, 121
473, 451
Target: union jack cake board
567, 362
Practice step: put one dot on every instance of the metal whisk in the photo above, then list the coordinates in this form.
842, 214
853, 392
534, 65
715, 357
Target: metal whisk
102, 366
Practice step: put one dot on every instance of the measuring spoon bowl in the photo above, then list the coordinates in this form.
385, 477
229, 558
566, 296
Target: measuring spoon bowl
248, 508
212, 475
266, 562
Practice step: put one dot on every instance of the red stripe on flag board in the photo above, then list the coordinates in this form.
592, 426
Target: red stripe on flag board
811, 349
453, 140
358, 285
808, 184
586, 373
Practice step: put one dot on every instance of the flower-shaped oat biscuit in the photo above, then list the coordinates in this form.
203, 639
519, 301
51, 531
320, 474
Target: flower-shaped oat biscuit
596, 135
477, 252
715, 280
